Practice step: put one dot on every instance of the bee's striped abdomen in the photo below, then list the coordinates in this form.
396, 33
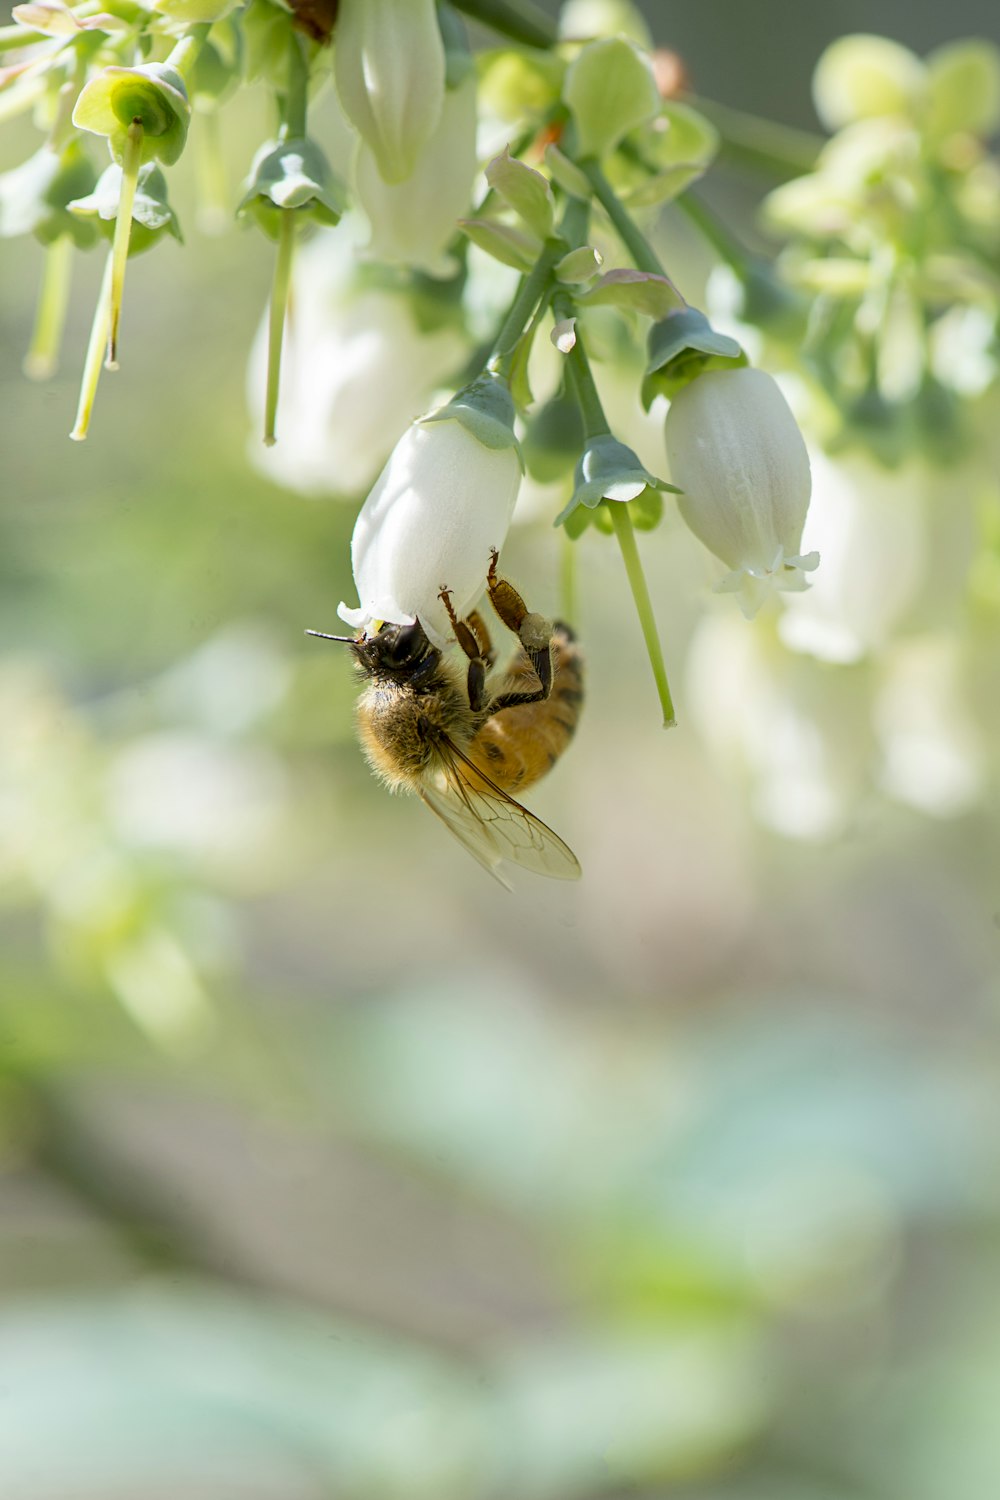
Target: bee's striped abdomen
516, 746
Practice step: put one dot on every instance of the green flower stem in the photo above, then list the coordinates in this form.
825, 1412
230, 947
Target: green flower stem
764, 145
297, 98
640, 593
595, 423
95, 354
276, 322
532, 288
520, 20
725, 244
42, 358
567, 577
210, 172
131, 162
183, 54
631, 236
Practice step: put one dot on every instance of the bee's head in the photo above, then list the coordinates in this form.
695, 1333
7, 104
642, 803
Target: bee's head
395, 651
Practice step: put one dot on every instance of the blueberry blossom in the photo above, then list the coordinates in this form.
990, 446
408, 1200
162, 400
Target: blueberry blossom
736, 452
442, 503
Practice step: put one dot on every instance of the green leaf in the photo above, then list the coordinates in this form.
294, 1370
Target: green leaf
291, 174
579, 265
681, 346
610, 89
634, 291
524, 190
510, 246
152, 215
566, 174
34, 197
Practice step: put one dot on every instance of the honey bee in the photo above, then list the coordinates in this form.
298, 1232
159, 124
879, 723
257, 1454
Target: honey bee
465, 744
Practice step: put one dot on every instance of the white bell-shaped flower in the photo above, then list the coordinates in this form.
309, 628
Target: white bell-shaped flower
442, 503
735, 450
413, 221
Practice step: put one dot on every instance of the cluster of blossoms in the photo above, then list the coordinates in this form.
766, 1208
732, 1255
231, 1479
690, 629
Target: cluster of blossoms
477, 238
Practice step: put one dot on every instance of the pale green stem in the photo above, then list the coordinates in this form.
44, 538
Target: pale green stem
526, 299
131, 162
521, 20
631, 236
779, 150
95, 354
644, 608
567, 578
210, 171
42, 358
296, 103
723, 242
184, 53
276, 322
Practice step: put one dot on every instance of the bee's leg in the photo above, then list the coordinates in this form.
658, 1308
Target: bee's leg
477, 625
472, 644
532, 630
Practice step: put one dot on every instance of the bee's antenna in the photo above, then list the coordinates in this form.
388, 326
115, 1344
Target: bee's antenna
348, 640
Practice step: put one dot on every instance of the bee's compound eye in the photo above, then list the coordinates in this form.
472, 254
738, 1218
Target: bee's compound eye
407, 643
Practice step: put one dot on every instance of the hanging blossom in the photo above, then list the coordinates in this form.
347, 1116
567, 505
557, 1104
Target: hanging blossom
736, 452
442, 503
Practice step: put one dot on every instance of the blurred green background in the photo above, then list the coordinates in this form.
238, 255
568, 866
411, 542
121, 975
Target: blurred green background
326, 1168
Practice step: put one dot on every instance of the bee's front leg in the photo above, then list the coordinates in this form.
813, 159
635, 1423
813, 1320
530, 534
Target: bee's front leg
471, 635
532, 630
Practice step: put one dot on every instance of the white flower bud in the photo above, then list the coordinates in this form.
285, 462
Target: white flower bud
413, 221
735, 450
441, 504
389, 64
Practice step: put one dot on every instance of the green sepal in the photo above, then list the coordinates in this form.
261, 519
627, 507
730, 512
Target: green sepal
292, 174
608, 470
681, 346
154, 93
524, 190
152, 216
34, 197
646, 512
553, 439
634, 291
485, 408
566, 174
510, 246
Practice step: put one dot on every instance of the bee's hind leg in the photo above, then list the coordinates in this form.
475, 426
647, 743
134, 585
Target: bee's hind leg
474, 640
532, 630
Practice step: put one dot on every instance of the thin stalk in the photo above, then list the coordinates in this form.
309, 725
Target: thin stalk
276, 321
525, 301
640, 593
95, 354
725, 244
765, 145
631, 236
296, 102
595, 423
42, 358
131, 162
210, 173
567, 578
520, 20
183, 53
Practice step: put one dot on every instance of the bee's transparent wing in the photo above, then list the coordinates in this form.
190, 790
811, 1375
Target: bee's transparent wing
491, 825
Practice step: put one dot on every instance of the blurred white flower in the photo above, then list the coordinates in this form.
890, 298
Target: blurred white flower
389, 66
356, 368
868, 523
735, 450
796, 735
442, 502
934, 757
413, 221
